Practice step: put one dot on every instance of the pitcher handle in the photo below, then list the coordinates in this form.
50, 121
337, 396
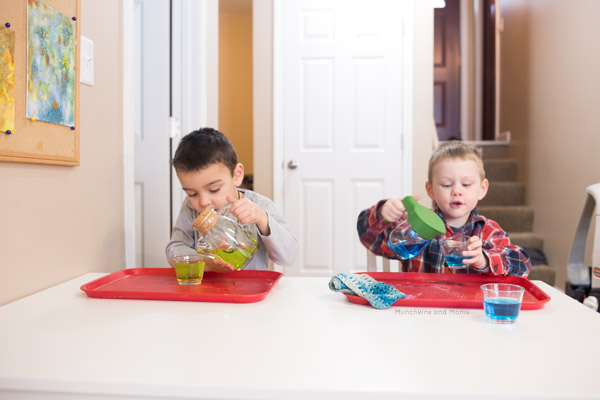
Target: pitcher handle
223, 211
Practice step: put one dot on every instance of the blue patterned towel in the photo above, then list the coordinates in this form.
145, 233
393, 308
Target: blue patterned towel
379, 294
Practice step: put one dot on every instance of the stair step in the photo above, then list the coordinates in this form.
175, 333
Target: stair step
543, 273
510, 218
503, 203
500, 169
494, 149
526, 239
504, 194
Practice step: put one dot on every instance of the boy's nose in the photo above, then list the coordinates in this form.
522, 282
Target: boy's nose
203, 202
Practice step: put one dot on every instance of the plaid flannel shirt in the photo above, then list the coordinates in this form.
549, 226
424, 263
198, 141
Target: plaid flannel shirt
503, 257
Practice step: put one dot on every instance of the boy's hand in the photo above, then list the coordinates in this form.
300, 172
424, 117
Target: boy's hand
393, 208
475, 251
248, 212
217, 266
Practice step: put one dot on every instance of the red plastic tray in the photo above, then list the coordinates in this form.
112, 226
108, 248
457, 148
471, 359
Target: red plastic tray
161, 284
450, 290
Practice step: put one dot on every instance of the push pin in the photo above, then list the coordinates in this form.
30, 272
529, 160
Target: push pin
32, 119
72, 128
7, 24
74, 18
8, 132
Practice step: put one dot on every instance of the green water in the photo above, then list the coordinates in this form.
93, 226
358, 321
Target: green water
236, 257
189, 273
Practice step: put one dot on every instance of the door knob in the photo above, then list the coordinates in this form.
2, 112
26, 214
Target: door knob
292, 164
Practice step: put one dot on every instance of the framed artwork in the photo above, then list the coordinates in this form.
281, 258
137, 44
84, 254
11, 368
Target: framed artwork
44, 64
7, 79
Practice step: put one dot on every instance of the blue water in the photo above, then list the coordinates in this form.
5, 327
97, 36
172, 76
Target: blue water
455, 261
407, 251
502, 308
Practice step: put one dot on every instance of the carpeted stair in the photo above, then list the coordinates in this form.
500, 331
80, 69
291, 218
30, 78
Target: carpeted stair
505, 203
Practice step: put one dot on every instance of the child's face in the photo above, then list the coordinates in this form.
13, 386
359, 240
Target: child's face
456, 187
211, 185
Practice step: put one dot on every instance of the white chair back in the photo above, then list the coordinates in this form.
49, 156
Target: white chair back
377, 263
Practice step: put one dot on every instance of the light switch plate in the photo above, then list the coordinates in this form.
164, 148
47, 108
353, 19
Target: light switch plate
87, 61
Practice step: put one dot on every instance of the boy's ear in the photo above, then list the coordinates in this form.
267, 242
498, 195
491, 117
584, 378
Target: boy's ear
238, 174
429, 190
485, 184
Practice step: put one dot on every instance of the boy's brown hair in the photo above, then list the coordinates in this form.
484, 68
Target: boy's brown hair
200, 148
456, 149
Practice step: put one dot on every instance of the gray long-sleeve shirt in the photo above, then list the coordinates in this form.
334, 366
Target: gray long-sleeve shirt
280, 246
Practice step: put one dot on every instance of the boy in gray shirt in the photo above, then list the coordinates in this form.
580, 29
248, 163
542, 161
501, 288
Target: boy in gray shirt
208, 170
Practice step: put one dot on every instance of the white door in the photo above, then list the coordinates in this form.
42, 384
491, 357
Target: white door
151, 113
340, 116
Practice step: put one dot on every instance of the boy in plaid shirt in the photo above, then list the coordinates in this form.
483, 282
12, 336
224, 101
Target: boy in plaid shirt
456, 182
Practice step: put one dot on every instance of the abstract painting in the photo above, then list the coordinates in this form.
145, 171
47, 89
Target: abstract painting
7, 80
50, 65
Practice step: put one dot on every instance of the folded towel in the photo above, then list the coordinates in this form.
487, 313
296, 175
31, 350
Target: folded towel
379, 294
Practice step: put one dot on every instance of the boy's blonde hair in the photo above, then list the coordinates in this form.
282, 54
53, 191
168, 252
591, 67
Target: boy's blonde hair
456, 149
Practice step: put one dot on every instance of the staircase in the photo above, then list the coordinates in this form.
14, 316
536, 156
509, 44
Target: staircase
505, 203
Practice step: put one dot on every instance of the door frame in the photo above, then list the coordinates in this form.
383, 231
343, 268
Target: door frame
128, 134
407, 100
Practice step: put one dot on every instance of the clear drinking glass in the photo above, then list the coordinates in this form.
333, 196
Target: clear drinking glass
190, 268
453, 248
502, 302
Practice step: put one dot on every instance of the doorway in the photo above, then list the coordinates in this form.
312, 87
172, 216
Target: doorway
195, 98
235, 80
170, 86
466, 69
446, 70
152, 109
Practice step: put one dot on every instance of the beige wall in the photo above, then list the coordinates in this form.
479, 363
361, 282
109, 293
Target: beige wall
235, 81
549, 101
57, 223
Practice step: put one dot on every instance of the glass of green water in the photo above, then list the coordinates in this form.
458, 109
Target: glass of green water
190, 268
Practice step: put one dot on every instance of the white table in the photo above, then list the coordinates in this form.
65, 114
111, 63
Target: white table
301, 342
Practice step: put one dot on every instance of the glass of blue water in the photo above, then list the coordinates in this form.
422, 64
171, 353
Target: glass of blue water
453, 248
502, 302
406, 243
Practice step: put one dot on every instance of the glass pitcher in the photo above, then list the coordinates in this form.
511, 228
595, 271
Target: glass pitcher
405, 243
224, 237
423, 225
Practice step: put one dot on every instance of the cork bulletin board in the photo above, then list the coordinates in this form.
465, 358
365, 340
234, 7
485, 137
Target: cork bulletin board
44, 114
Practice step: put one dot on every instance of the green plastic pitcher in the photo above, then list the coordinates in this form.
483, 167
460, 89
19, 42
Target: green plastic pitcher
424, 221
